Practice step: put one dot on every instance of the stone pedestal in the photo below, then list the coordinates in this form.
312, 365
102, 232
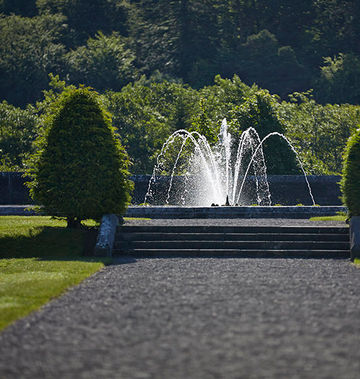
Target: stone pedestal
354, 237
106, 236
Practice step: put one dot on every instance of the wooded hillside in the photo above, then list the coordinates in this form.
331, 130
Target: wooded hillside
281, 45
160, 65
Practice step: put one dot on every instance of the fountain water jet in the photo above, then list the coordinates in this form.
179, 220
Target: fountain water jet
209, 175
292, 148
249, 139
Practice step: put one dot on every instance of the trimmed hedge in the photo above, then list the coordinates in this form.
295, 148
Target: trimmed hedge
350, 182
82, 170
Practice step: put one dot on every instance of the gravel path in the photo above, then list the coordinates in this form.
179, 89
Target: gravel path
196, 318
236, 221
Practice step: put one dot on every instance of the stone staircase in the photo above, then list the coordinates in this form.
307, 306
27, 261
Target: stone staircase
232, 241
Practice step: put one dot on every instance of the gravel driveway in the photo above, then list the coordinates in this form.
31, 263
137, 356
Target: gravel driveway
196, 318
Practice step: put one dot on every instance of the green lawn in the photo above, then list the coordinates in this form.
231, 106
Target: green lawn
39, 260
329, 218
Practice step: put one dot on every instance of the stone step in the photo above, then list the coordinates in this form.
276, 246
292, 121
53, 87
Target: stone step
232, 240
233, 253
239, 245
232, 229
156, 236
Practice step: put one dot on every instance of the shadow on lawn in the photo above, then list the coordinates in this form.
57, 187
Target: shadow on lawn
51, 243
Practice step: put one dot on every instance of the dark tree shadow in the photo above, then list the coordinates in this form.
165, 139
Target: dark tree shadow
50, 243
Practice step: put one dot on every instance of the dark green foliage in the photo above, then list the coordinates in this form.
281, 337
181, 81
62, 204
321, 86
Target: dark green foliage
147, 112
261, 59
86, 18
105, 63
220, 99
260, 112
29, 50
145, 116
336, 27
340, 80
18, 128
81, 171
318, 132
350, 182
277, 44
20, 7
202, 124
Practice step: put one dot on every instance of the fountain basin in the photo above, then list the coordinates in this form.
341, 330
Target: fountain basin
188, 212
285, 189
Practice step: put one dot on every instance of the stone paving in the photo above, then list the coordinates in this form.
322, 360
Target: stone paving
196, 318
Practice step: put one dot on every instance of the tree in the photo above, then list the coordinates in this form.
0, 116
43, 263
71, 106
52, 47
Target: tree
81, 170
318, 133
20, 7
153, 29
29, 51
105, 63
18, 129
202, 124
86, 18
340, 80
262, 60
350, 182
177, 37
335, 27
221, 98
146, 115
260, 112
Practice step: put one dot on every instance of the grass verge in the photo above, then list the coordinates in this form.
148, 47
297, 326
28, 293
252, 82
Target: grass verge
329, 218
39, 259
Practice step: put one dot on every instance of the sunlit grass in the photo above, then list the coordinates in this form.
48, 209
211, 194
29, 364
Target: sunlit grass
41, 258
329, 218
27, 284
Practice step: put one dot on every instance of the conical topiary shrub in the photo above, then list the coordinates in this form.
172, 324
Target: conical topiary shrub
350, 182
82, 170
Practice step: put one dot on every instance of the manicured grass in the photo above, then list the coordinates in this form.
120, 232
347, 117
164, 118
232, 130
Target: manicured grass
27, 284
40, 260
38, 236
329, 218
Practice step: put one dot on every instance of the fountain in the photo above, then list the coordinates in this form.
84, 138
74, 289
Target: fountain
198, 175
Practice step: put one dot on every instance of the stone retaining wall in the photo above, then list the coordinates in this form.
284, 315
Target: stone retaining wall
285, 189
13, 189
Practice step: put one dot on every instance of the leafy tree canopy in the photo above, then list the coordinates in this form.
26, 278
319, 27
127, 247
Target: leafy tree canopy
105, 63
29, 50
18, 130
340, 80
279, 45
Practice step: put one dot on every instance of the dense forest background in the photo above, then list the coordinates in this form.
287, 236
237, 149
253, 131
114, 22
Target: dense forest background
161, 65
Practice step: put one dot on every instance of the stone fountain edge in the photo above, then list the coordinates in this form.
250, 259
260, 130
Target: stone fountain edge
233, 212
